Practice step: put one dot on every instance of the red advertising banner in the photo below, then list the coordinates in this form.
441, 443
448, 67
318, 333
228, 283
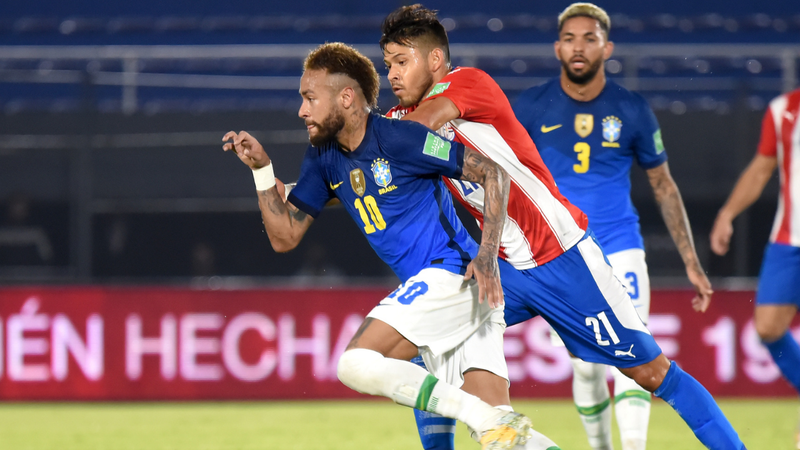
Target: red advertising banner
98, 343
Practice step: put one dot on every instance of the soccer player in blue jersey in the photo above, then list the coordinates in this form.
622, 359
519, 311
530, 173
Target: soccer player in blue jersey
589, 131
387, 174
568, 282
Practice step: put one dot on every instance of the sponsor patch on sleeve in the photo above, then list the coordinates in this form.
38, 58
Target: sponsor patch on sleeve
658, 142
438, 89
437, 147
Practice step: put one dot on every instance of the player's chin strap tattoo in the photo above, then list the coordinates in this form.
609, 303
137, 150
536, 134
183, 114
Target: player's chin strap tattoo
496, 184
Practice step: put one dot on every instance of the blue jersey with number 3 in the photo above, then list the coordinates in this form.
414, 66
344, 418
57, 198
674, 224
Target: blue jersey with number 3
391, 186
589, 148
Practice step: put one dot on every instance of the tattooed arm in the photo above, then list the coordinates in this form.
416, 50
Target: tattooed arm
672, 210
285, 223
496, 183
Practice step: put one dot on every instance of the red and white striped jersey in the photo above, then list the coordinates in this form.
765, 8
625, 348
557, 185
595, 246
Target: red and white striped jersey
541, 224
780, 137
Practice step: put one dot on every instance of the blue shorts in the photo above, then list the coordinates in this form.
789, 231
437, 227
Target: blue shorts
780, 276
578, 295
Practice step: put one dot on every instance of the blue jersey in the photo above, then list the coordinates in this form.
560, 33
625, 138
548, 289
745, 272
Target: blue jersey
589, 148
391, 186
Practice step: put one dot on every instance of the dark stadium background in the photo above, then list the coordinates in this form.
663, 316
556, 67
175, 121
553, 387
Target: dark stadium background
128, 183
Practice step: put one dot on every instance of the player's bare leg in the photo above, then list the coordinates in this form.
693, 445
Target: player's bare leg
365, 368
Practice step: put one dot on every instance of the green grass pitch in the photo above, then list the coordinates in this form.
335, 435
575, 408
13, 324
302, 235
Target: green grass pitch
331, 425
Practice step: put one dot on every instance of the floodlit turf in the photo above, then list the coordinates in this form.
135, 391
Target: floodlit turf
330, 425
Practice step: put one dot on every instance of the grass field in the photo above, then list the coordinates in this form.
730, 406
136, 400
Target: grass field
331, 425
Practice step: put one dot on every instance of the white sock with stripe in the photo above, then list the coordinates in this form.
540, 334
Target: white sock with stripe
369, 372
593, 400
632, 404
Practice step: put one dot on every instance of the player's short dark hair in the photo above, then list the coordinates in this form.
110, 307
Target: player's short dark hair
589, 10
339, 58
415, 24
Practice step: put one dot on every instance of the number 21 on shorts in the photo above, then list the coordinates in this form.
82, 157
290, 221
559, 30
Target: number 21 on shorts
595, 324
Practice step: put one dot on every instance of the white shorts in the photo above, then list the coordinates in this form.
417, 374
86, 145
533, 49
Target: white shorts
630, 268
483, 350
436, 310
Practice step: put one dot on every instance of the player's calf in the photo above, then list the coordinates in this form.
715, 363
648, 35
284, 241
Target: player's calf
690, 400
369, 372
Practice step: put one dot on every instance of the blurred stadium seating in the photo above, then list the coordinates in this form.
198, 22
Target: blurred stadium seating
175, 83
107, 101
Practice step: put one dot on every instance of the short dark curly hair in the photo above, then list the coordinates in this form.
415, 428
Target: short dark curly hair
415, 24
339, 58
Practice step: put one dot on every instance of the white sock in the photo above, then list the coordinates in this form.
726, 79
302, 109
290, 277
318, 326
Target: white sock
632, 405
369, 372
590, 392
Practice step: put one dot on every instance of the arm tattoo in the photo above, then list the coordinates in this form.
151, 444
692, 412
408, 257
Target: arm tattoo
354, 342
278, 207
672, 210
297, 214
284, 223
496, 184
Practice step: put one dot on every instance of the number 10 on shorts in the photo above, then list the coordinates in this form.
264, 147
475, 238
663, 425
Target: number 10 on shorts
595, 324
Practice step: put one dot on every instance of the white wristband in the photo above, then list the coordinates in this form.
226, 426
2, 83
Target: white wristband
264, 177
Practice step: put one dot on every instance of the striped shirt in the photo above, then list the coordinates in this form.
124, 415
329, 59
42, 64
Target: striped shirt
541, 224
780, 138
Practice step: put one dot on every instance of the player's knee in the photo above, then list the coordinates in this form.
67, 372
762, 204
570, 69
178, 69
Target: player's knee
354, 366
769, 331
587, 371
649, 376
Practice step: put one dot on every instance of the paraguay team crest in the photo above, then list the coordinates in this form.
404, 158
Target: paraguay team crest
381, 172
612, 128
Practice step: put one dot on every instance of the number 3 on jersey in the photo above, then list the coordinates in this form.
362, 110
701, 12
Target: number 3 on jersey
374, 213
583, 150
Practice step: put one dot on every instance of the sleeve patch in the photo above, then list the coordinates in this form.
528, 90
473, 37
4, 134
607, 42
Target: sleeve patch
436, 147
658, 142
438, 89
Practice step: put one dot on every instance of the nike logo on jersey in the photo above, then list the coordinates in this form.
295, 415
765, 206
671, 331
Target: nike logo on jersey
628, 353
334, 186
549, 129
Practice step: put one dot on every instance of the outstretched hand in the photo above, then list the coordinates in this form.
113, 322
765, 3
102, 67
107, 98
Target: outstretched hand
487, 274
246, 148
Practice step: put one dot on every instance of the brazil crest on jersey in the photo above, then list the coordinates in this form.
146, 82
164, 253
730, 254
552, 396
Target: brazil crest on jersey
391, 186
589, 148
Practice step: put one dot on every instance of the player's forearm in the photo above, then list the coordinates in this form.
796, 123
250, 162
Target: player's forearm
677, 221
284, 228
434, 113
746, 191
496, 186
